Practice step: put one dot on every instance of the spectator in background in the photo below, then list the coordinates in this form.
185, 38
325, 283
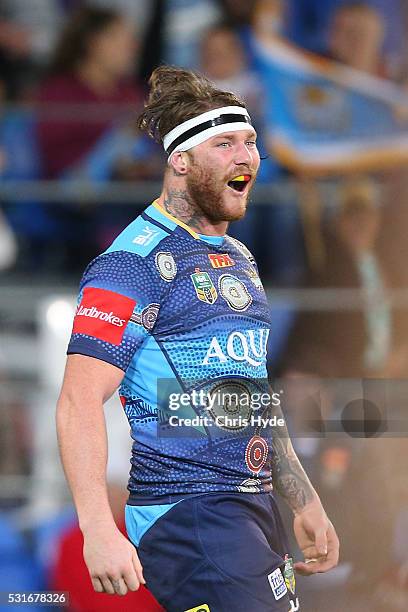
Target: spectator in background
369, 341
309, 23
28, 31
356, 38
269, 19
19, 161
324, 350
239, 13
176, 27
85, 129
223, 60
88, 88
138, 13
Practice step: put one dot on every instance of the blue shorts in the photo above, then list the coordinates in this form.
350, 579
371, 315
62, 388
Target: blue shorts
219, 553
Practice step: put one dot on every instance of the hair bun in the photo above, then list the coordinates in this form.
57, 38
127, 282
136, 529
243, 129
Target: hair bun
176, 95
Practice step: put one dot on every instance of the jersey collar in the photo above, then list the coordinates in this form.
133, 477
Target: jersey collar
158, 213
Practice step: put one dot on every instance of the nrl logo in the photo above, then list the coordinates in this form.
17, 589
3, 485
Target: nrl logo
204, 287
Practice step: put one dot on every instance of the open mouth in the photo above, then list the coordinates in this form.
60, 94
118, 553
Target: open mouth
239, 183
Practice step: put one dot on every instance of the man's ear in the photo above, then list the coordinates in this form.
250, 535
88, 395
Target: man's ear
179, 162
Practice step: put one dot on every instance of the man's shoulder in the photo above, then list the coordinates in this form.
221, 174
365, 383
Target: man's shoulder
132, 258
140, 237
240, 246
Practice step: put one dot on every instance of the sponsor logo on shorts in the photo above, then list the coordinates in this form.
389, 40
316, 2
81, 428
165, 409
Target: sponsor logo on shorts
294, 605
166, 266
202, 608
103, 314
256, 454
250, 485
289, 574
204, 287
221, 260
277, 582
234, 292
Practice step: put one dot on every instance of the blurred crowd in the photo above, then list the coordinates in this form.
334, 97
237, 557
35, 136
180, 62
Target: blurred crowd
73, 76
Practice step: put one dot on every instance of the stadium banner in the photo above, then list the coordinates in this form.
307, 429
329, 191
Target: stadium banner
325, 117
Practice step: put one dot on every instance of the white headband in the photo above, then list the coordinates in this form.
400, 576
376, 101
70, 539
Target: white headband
198, 129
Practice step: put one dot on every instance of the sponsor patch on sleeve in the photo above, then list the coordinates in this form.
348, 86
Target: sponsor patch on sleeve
103, 314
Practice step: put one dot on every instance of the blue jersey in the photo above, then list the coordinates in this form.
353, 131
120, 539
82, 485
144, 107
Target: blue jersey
179, 313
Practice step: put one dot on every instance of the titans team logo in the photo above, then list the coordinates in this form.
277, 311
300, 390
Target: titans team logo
234, 292
166, 266
204, 287
256, 454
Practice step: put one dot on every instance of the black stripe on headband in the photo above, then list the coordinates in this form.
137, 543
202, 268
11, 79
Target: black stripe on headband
227, 118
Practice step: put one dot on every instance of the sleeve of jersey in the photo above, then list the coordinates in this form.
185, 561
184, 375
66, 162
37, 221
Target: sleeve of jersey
117, 307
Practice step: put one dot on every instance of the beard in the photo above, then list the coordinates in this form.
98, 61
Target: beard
207, 194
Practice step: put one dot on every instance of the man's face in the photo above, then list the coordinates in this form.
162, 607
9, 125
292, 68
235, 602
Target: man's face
114, 48
222, 55
213, 166
356, 37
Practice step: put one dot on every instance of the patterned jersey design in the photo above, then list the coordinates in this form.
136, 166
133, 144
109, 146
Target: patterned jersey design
181, 312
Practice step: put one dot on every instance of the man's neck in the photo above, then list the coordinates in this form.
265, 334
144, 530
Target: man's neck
176, 201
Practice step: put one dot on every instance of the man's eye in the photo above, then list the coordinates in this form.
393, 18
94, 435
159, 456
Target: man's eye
223, 144
251, 143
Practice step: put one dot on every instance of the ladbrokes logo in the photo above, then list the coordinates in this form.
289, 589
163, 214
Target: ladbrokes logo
99, 314
103, 314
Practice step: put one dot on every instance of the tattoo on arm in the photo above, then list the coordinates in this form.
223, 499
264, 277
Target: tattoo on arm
289, 477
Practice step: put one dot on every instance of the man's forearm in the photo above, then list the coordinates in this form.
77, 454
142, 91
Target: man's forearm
83, 447
289, 477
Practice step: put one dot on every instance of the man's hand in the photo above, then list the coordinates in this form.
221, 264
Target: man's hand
317, 539
112, 561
